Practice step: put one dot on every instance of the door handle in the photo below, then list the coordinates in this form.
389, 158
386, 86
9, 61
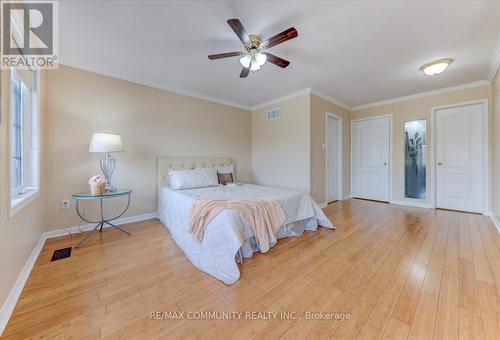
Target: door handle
385, 163
440, 163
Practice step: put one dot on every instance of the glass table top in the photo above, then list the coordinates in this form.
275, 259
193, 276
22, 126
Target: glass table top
107, 194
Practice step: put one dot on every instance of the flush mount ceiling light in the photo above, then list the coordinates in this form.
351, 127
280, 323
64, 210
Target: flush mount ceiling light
436, 67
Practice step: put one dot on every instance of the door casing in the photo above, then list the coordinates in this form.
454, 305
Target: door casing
486, 166
390, 116
340, 156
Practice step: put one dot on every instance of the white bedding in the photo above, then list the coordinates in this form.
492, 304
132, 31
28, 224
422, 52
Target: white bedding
228, 235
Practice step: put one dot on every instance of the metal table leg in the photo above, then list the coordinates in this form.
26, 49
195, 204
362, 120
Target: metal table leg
114, 226
118, 216
89, 234
100, 224
102, 217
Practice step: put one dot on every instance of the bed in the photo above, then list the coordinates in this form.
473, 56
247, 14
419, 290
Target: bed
228, 238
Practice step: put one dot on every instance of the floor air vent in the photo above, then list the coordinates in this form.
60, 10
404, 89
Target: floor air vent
61, 254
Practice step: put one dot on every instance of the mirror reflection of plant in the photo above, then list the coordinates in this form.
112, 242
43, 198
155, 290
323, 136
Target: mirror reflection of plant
413, 147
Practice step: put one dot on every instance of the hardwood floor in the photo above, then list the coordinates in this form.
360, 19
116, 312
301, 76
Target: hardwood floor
398, 272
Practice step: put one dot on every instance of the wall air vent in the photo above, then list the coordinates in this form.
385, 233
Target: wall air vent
273, 114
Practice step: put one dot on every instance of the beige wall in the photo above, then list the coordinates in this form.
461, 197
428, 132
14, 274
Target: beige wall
280, 148
152, 122
412, 110
18, 233
495, 206
319, 108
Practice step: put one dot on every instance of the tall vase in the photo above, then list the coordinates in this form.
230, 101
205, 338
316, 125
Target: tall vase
108, 164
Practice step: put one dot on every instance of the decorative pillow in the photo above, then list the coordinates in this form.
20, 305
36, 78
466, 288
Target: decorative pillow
193, 178
226, 169
225, 178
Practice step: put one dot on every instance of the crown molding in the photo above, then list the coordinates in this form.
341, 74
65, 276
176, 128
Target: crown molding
423, 94
193, 94
172, 89
495, 62
308, 90
204, 97
282, 98
331, 99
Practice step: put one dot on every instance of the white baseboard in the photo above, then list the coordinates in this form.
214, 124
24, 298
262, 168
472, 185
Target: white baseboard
495, 221
85, 227
412, 204
325, 204
15, 292
347, 197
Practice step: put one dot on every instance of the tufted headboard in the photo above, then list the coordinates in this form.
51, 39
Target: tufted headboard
165, 164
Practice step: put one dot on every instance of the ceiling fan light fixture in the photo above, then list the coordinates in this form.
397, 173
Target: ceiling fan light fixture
246, 60
260, 58
255, 66
255, 52
436, 67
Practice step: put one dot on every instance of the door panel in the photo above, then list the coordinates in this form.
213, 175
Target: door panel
372, 137
459, 158
332, 159
457, 143
371, 150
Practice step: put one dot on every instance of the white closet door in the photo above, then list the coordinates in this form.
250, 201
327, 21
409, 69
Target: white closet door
459, 158
332, 159
371, 155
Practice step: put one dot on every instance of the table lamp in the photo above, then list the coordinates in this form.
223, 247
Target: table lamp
106, 143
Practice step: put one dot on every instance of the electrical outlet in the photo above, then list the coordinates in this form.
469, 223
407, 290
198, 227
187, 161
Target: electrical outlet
65, 204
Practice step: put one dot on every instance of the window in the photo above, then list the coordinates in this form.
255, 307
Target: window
415, 159
23, 137
17, 134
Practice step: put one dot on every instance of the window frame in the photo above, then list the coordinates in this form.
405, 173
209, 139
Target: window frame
30, 127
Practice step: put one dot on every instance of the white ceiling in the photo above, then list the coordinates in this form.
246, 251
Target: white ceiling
358, 52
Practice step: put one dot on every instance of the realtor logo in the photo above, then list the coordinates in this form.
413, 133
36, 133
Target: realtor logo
29, 34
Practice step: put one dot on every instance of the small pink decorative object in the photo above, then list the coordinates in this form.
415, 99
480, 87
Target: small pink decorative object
97, 185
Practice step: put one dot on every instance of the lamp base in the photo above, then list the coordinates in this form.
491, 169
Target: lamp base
108, 164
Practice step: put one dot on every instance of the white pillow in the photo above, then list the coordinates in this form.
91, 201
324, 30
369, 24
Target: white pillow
193, 178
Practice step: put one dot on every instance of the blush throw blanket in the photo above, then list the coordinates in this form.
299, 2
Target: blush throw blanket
264, 216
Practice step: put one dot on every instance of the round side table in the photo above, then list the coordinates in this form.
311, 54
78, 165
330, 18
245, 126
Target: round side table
87, 196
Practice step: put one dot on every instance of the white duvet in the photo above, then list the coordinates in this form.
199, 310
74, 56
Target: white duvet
228, 235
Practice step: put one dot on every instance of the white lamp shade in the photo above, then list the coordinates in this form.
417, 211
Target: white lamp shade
105, 142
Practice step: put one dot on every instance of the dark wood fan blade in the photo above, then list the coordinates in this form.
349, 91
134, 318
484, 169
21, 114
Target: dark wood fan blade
244, 72
224, 55
281, 37
239, 30
277, 60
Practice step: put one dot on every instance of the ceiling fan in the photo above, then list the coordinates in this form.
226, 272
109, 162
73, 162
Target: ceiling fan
255, 54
